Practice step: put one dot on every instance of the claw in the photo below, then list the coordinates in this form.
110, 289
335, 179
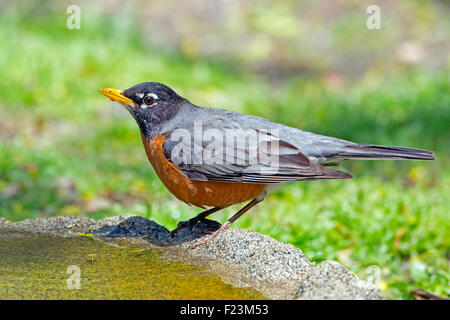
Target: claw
191, 222
211, 236
184, 224
181, 225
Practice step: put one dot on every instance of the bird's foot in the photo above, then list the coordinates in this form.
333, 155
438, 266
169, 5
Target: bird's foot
211, 236
185, 224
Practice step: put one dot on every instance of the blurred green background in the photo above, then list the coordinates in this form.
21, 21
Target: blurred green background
67, 150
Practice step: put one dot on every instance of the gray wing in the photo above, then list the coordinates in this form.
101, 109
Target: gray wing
318, 148
239, 155
301, 154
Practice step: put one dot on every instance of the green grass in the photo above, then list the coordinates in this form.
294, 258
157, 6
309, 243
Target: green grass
66, 150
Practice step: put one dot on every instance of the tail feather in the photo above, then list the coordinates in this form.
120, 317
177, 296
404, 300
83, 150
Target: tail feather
335, 174
329, 175
375, 152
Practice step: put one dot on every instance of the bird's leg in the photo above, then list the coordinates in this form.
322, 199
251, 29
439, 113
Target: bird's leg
225, 226
191, 222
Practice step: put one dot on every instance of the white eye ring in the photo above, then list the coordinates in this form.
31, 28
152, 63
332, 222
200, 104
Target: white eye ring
149, 100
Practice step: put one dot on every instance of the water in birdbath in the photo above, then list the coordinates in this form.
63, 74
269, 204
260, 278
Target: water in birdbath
83, 268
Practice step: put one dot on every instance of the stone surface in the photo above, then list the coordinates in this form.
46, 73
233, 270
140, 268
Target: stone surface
241, 257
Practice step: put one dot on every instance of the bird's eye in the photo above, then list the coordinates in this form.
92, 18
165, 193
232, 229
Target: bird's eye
149, 100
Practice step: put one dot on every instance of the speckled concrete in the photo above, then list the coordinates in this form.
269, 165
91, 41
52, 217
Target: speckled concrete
241, 257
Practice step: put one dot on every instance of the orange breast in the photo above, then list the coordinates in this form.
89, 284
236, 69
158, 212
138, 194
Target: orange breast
198, 193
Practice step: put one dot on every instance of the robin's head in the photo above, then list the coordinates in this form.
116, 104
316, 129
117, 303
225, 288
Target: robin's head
150, 103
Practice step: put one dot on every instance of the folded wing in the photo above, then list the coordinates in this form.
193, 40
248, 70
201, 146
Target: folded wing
237, 156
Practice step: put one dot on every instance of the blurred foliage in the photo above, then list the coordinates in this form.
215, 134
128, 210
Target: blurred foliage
66, 150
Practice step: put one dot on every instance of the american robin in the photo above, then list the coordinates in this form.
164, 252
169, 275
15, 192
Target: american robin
228, 161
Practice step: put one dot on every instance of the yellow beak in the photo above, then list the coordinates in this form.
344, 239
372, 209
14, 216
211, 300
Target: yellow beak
117, 95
